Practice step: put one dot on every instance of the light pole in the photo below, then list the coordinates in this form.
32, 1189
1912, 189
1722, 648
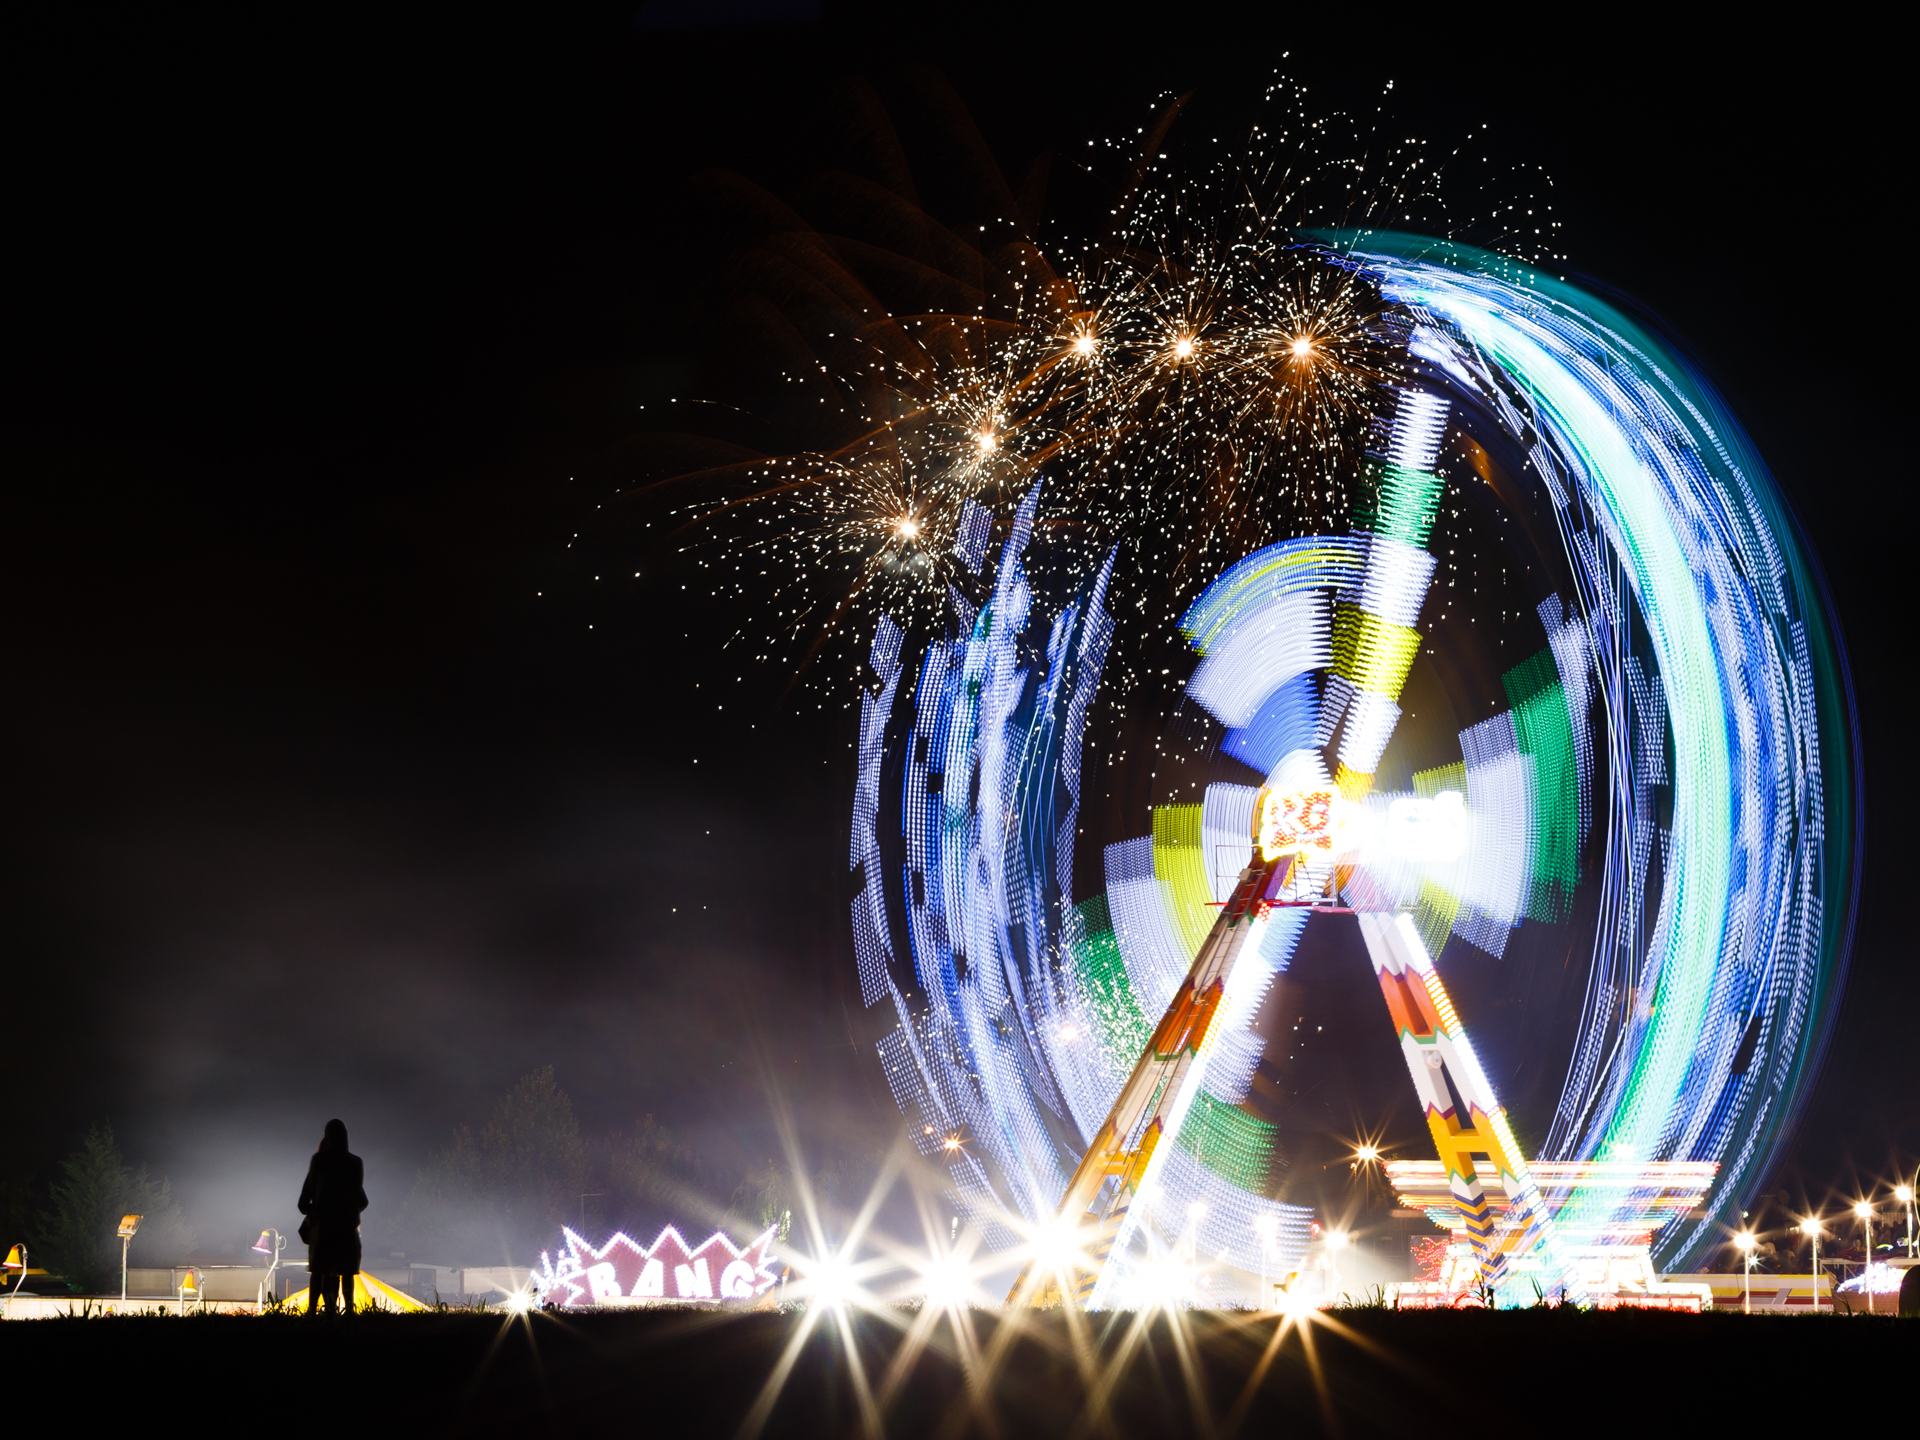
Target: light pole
1904, 1194
270, 1244
1810, 1227
1864, 1212
129, 1227
1745, 1242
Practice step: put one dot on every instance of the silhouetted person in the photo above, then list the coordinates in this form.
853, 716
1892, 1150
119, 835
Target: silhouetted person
332, 1200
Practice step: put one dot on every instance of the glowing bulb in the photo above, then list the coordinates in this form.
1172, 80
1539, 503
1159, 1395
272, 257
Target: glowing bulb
1084, 345
1367, 1152
1863, 1210
1810, 1226
1055, 1246
1903, 1194
1745, 1240
1183, 347
831, 1283
520, 1302
944, 1282
1302, 348
952, 1143
1337, 1240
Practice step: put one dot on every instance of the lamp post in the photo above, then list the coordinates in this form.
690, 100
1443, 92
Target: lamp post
129, 1227
1864, 1212
1904, 1194
270, 1244
1745, 1242
1810, 1227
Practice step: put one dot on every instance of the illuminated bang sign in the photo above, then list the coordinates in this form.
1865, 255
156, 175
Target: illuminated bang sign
620, 1272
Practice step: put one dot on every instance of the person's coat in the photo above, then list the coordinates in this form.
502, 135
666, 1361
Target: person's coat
332, 1200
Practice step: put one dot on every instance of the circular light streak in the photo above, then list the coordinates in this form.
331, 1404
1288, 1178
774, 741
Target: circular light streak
1674, 738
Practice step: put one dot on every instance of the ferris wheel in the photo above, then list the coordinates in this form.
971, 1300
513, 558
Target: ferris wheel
1666, 772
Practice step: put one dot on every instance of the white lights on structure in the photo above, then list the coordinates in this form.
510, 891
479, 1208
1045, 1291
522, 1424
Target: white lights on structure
622, 1272
1423, 829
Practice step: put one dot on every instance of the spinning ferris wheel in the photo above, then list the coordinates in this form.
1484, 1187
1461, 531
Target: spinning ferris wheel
1665, 773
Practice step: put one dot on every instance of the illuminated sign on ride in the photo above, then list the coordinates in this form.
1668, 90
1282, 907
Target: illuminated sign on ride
1298, 822
1321, 822
620, 1272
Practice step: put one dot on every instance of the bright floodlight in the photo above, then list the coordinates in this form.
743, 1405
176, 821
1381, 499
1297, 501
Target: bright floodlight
1183, 347
952, 1143
1745, 1240
520, 1302
831, 1282
130, 1226
1810, 1226
1337, 1240
944, 1282
1055, 1245
1863, 1210
1903, 1193
265, 1243
1367, 1152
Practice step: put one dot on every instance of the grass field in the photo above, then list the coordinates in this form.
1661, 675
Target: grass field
691, 1373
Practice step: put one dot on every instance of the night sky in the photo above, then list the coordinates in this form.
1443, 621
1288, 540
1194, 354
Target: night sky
335, 782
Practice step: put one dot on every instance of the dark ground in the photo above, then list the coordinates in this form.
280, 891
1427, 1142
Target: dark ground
1555, 1372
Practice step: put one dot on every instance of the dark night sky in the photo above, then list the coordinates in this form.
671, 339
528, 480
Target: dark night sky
313, 805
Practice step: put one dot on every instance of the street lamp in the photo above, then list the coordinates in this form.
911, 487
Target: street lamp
1744, 1242
1810, 1227
1904, 1194
1864, 1212
129, 1227
270, 1244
